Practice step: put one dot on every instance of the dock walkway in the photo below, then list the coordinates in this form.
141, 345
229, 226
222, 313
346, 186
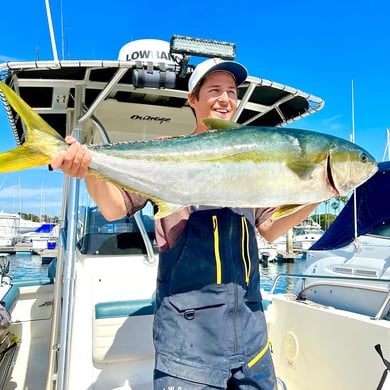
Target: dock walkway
18, 247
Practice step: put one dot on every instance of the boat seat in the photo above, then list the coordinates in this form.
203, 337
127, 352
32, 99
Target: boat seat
124, 308
112, 325
10, 298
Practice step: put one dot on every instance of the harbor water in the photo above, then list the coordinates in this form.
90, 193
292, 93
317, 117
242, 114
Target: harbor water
24, 265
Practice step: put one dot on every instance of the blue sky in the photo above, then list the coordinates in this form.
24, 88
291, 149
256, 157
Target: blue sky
318, 47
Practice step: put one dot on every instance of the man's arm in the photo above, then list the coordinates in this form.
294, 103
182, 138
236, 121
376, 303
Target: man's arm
272, 229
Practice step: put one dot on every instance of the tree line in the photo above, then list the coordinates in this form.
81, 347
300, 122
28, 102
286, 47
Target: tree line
335, 205
41, 218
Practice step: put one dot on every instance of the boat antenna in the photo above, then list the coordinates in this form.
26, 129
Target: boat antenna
51, 30
353, 140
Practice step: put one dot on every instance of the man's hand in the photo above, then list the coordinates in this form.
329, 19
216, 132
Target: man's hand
74, 161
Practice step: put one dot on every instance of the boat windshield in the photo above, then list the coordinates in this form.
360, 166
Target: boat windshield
382, 231
97, 236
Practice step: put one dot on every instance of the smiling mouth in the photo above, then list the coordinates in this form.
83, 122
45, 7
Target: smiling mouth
222, 112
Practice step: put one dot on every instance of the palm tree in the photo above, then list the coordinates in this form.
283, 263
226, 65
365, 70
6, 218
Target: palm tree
343, 199
335, 206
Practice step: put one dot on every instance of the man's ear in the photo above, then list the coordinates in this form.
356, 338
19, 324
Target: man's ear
191, 99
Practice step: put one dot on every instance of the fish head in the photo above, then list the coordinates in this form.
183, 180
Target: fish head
349, 166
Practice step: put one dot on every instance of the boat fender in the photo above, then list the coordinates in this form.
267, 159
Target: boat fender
387, 367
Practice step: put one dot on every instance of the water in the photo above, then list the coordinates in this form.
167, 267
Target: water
24, 265
28, 266
269, 271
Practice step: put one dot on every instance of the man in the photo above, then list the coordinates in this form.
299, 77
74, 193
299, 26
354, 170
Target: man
209, 326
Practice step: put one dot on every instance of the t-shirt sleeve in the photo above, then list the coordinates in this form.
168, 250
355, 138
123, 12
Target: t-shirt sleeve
134, 202
261, 214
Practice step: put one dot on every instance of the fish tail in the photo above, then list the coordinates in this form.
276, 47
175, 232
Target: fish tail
42, 141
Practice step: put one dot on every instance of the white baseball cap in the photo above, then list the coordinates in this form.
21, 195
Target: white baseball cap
237, 70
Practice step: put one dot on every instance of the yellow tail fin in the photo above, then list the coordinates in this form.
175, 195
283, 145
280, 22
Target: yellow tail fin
42, 141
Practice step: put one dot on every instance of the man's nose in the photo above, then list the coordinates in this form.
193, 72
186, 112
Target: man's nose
223, 96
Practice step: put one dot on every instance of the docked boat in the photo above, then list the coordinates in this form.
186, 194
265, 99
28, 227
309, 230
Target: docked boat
333, 332
292, 244
268, 251
12, 227
43, 237
93, 315
26, 226
306, 234
353, 256
9, 229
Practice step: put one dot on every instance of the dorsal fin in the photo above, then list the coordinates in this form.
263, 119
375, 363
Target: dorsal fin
220, 124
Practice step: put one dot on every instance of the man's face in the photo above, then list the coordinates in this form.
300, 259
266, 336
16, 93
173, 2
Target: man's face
217, 97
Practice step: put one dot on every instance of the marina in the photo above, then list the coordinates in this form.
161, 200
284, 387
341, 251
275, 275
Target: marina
85, 321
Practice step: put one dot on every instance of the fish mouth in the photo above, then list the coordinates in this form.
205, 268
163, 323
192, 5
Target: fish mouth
330, 176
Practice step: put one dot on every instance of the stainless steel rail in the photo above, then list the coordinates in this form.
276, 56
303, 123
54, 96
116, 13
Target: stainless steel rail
381, 309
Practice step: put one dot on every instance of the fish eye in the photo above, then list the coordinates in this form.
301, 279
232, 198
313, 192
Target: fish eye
364, 157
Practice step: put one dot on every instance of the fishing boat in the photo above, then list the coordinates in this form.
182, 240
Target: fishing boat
89, 324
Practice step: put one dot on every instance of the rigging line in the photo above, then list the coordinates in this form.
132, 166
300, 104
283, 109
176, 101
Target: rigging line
353, 140
387, 146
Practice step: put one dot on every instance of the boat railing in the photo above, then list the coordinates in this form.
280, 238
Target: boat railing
303, 277
152, 258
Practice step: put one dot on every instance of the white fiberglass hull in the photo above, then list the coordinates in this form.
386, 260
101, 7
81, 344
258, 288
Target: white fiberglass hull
318, 347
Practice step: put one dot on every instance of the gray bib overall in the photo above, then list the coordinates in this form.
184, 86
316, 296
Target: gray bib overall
209, 317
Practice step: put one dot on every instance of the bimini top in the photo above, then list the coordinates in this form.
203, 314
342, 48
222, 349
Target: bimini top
373, 213
141, 95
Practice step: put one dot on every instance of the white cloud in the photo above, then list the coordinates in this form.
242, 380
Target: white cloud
32, 200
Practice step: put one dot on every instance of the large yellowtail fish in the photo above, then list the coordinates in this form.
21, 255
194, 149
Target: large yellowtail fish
224, 167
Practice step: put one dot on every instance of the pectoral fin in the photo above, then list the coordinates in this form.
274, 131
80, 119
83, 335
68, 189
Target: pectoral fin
165, 209
284, 211
302, 168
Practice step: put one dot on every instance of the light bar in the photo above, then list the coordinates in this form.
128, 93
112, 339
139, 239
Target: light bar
202, 47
